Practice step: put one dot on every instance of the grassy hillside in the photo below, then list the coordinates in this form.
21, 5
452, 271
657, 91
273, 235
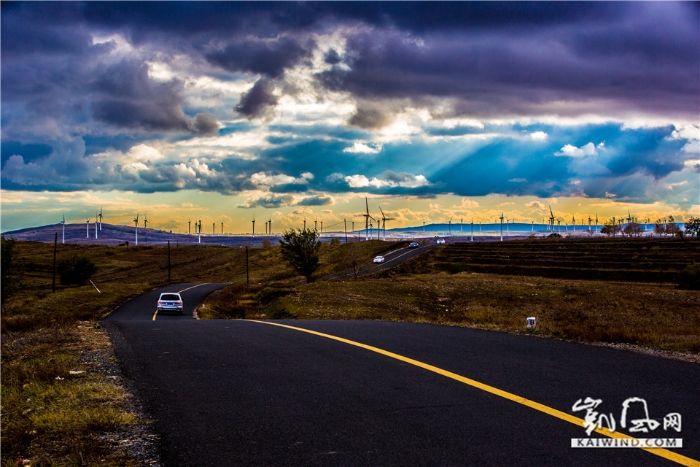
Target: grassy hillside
58, 411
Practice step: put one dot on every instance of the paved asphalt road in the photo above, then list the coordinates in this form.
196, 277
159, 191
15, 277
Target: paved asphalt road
236, 392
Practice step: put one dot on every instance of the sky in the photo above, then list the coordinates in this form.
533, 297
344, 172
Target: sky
230, 111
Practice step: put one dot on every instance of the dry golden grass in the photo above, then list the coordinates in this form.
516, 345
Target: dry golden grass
54, 412
644, 314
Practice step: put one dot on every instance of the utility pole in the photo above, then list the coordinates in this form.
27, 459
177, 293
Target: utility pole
55, 246
168, 261
247, 275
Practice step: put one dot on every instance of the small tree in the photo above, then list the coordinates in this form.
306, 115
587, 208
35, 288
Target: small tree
692, 227
633, 229
300, 249
660, 227
352, 259
76, 271
11, 268
610, 228
672, 228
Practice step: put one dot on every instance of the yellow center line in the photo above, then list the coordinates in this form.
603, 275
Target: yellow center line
670, 455
154, 315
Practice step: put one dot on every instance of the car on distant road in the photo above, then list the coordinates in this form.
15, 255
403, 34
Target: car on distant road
413, 245
379, 259
440, 241
170, 302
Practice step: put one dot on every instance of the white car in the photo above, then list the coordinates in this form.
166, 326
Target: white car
379, 259
170, 302
441, 241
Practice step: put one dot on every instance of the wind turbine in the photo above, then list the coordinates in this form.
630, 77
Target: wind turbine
213, 228
551, 218
384, 219
222, 228
145, 221
367, 217
101, 218
136, 224
501, 225
253, 225
96, 217
63, 223
189, 224
449, 227
87, 229
270, 225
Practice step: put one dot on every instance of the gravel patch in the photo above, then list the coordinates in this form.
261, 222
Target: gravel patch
137, 441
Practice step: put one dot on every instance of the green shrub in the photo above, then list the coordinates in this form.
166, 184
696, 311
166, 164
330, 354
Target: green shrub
76, 271
277, 310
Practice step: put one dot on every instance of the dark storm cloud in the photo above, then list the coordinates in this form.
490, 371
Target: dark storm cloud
270, 201
205, 124
127, 97
332, 57
319, 200
264, 57
496, 71
256, 102
369, 118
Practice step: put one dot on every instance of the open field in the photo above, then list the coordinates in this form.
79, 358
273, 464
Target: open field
641, 260
47, 335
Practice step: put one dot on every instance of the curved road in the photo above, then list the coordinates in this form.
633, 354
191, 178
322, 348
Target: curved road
235, 392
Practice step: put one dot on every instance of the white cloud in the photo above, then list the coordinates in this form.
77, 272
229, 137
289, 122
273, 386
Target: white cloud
364, 148
518, 180
402, 180
539, 136
610, 195
261, 178
572, 151
690, 133
692, 163
535, 205
468, 203
143, 153
671, 186
452, 123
